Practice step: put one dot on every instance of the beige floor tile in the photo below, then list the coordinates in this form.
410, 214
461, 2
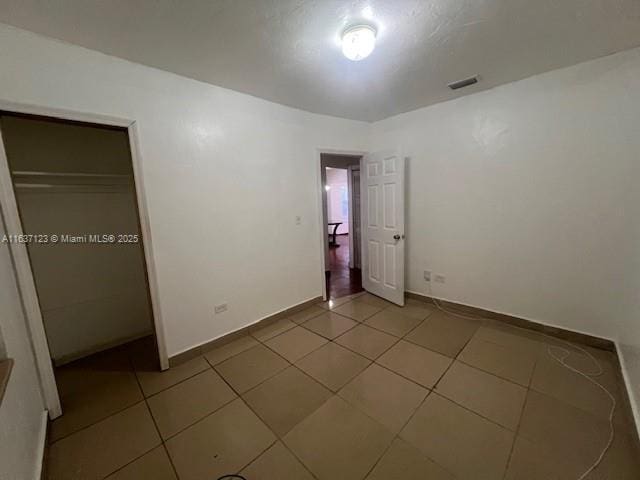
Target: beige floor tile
392, 322
264, 333
621, 462
373, 300
296, 343
551, 378
330, 325
152, 380
444, 334
222, 443
414, 309
402, 461
335, 302
93, 389
251, 367
599, 360
508, 336
384, 396
103, 448
153, 465
285, 400
531, 462
367, 341
415, 363
464, 443
333, 365
563, 430
358, 311
306, 314
277, 463
610, 378
492, 397
506, 362
186, 403
228, 350
337, 442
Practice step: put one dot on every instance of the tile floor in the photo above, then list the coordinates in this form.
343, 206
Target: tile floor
359, 389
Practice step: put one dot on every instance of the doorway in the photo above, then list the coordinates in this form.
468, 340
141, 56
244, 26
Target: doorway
340, 176
71, 208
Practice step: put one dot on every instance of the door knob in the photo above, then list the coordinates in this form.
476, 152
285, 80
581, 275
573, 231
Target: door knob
396, 237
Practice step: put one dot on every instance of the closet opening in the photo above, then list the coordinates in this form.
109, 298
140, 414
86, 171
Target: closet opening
79, 221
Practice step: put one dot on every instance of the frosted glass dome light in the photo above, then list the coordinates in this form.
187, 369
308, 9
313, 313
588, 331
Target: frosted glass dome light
358, 42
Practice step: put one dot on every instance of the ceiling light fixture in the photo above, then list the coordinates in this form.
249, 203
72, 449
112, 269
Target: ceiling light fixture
358, 42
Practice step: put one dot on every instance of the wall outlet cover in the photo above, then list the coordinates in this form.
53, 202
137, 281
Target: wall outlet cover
220, 308
427, 275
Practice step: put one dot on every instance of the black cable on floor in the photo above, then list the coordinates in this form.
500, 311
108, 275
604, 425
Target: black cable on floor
237, 477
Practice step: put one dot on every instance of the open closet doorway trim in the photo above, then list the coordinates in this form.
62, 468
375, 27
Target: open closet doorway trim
20, 258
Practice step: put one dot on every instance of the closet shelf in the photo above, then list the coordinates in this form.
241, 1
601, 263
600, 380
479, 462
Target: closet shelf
25, 173
71, 181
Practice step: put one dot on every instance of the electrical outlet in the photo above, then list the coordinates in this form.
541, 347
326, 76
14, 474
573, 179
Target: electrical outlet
220, 308
298, 219
427, 275
440, 278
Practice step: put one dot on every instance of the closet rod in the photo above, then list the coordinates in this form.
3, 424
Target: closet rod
21, 173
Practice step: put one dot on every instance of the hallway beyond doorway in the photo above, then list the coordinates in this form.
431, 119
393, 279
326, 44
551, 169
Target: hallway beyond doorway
342, 280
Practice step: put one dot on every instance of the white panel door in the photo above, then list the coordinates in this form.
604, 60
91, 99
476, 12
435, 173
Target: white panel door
382, 193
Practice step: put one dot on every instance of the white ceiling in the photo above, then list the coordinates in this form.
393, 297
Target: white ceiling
287, 51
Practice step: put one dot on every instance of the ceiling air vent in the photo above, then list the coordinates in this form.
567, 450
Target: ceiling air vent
463, 83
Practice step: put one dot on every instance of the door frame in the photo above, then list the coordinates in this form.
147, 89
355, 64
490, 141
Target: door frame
20, 257
322, 237
352, 229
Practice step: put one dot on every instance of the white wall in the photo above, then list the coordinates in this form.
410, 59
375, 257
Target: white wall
22, 410
337, 183
218, 166
526, 198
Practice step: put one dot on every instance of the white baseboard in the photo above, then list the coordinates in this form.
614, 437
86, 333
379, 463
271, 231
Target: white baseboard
629, 388
42, 440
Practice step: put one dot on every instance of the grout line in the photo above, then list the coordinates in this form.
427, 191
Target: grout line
393, 344
430, 391
516, 435
278, 437
150, 415
155, 424
102, 419
213, 365
173, 467
162, 442
173, 435
164, 389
